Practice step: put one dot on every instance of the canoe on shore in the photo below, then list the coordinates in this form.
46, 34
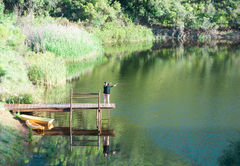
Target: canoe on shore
34, 125
39, 120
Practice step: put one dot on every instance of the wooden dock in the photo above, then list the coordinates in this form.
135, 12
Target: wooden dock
99, 107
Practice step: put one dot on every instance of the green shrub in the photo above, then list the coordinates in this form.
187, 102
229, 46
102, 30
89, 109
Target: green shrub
2, 72
11, 36
1, 10
101, 12
191, 14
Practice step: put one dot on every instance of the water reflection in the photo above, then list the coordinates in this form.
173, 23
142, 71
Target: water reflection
77, 137
230, 155
181, 108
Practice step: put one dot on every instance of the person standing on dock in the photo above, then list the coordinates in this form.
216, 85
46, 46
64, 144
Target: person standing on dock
106, 91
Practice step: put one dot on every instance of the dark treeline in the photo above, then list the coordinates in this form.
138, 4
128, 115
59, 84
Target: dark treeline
194, 14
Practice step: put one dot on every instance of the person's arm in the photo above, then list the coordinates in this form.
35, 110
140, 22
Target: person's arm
113, 85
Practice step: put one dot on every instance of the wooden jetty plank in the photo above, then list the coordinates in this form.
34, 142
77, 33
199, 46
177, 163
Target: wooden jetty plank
65, 131
56, 107
84, 97
86, 145
85, 93
85, 140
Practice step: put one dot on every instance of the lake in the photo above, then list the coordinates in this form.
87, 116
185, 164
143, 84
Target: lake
176, 104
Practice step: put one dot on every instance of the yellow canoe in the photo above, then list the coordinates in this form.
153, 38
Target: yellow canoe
34, 125
39, 120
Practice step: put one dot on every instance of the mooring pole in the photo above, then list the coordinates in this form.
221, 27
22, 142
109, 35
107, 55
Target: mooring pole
70, 120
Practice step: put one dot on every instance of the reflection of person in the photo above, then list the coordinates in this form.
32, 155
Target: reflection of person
105, 146
106, 91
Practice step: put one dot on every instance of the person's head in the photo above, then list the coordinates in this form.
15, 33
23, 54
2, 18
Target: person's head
105, 83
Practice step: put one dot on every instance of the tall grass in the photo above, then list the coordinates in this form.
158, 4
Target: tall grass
65, 41
70, 42
118, 33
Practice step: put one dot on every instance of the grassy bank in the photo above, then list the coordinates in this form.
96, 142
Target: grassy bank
31, 58
35, 54
40, 51
14, 83
12, 135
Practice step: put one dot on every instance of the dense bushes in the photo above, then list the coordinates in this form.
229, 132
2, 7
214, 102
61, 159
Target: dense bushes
1, 9
189, 14
11, 35
203, 14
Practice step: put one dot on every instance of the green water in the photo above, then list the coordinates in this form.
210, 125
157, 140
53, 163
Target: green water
176, 105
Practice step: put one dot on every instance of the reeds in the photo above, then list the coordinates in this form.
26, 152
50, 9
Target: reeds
118, 33
68, 42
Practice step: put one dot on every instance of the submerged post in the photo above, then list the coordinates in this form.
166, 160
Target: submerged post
99, 114
70, 120
98, 142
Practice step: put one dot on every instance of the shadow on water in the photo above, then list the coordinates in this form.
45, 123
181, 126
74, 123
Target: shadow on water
230, 155
181, 108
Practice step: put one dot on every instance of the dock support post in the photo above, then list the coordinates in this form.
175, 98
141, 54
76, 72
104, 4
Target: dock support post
99, 114
99, 121
70, 120
97, 118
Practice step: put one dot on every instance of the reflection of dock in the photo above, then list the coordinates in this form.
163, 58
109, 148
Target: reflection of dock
99, 114
65, 131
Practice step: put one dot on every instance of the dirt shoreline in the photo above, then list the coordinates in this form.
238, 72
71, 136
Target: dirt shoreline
15, 134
